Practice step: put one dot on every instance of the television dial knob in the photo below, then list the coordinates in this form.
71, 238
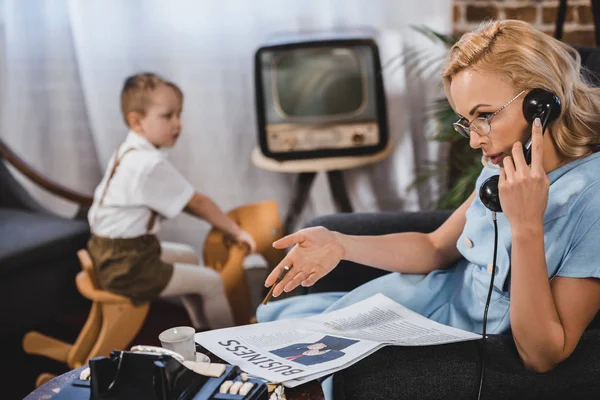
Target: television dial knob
358, 138
290, 142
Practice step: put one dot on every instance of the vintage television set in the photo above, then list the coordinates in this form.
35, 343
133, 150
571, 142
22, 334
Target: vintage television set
320, 95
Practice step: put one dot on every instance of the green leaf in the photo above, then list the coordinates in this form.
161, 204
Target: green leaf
434, 36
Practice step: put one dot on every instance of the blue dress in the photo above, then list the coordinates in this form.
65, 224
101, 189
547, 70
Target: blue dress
456, 296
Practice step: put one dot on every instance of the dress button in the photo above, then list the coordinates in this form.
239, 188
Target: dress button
490, 268
468, 242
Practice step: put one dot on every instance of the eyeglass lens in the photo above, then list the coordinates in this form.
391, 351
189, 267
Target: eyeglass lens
480, 125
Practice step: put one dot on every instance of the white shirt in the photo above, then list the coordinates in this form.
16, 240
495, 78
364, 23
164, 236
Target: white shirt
144, 181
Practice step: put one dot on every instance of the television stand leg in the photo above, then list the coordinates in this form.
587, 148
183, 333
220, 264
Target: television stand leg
301, 192
339, 191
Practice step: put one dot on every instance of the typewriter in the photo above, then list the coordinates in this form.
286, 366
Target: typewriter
153, 373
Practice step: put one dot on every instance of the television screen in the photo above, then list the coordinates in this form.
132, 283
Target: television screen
318, 82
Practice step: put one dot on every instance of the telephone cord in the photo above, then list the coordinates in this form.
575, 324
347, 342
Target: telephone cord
487, 304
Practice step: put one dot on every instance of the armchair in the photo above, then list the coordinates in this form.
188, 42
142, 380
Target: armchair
451, 370
38, 250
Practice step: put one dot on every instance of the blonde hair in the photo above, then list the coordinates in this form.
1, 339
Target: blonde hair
527, 59
136, 91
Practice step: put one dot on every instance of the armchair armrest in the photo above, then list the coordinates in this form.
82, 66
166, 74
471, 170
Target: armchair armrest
41, 180
348, 275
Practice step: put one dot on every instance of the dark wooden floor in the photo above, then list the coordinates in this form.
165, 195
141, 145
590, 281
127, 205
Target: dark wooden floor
21, 370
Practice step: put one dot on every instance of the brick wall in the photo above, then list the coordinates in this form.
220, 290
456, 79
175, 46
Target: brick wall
578, 28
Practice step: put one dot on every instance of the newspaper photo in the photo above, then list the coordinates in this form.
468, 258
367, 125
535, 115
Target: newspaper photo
295, 351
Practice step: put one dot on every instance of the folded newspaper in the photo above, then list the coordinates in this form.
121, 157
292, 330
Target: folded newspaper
295, 351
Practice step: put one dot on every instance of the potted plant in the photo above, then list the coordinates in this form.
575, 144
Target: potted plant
463, 165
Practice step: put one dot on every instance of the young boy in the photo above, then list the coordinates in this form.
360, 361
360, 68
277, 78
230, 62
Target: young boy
139, 189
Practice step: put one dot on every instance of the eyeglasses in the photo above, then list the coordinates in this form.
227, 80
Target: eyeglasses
480, 125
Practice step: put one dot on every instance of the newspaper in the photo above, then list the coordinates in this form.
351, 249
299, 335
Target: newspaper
295, 351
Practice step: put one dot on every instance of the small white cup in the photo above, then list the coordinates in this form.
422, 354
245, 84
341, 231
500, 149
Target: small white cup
180, 339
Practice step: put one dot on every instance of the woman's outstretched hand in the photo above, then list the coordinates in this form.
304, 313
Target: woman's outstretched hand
316, 252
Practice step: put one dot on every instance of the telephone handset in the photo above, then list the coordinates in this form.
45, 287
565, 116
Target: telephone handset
538, 103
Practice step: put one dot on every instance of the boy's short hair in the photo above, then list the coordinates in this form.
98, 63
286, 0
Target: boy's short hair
136, 88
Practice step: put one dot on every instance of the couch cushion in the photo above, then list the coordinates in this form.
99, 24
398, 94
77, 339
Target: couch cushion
27, 237
451, 371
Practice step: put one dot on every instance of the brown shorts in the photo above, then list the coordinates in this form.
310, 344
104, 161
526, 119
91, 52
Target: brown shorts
130, 267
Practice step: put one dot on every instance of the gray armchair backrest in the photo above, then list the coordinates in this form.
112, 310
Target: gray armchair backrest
13, 195
590, 60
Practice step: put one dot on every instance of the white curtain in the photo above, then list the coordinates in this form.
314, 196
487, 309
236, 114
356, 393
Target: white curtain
64, 62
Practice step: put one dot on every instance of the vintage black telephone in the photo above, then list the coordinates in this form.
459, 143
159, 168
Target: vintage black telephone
156, 374
538, 103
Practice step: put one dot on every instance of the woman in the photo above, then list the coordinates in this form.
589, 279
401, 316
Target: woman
548, 229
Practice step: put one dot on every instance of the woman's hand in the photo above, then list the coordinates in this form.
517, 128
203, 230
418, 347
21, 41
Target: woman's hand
523, 189
316, 252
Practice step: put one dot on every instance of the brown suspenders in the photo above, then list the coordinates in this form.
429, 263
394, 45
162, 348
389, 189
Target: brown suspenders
114, 169
153, 214
151, 220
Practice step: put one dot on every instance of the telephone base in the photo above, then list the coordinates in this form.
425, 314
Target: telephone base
157, 377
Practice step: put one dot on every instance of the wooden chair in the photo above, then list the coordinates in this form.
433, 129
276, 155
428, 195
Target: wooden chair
262, 221
113, 321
